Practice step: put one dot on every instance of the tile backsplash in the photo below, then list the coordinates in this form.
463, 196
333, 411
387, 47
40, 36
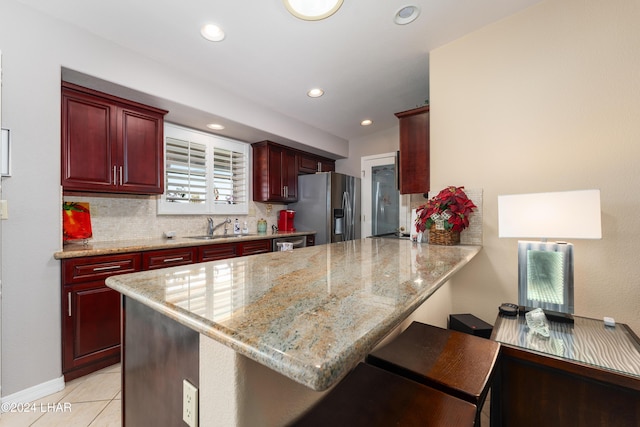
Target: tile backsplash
115, 217
118, 217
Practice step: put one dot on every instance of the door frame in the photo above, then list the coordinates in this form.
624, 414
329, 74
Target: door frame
366, 162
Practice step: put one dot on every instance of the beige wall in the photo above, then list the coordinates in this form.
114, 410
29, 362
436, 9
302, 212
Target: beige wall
385, 141
546, 100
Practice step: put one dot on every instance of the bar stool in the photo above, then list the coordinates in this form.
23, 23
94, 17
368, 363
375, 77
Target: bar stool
370, 396
455, 363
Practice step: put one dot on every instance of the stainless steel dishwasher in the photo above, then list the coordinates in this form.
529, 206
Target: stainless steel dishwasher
297, 241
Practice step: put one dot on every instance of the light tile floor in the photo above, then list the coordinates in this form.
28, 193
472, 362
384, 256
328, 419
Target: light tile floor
89, 401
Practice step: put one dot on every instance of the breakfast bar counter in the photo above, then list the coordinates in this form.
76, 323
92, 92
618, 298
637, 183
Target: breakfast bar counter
309, 314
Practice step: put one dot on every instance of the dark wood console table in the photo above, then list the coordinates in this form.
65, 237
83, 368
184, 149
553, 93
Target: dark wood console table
584, 374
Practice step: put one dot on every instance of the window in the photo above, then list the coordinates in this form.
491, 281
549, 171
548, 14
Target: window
204, 173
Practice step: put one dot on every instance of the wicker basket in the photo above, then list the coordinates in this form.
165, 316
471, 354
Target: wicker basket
443, 237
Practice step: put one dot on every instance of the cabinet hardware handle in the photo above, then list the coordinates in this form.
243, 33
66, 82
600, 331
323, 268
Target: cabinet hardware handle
69, 303
109, 267
173, 259
121, 183
286, 191
115, 177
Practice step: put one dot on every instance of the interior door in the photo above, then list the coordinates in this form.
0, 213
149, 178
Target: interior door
381, 201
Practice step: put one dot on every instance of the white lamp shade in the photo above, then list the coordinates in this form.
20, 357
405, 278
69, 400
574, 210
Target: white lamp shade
563, 214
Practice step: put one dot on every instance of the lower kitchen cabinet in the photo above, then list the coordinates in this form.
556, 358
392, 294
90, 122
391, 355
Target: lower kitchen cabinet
253, 247
91, 336
91, 312
152, 260
216, 252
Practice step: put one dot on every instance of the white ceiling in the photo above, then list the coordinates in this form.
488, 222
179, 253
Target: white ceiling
368, 66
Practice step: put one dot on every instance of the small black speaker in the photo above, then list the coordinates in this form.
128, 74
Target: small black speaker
470, 324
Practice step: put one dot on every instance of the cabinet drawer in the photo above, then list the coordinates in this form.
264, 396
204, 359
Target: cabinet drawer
255, 247
215, 252
99, 267
168, 258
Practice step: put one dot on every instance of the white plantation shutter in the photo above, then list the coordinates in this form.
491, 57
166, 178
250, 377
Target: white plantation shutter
229, 176
204, 174
185, 172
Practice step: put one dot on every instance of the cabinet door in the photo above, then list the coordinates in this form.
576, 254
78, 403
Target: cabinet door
328, 166
276, 171
168, 258
307, 164
87, 152
290, 176
414, 151
91, 324
141, 167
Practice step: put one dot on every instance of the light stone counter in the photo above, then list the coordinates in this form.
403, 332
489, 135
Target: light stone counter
75, 250
310, 314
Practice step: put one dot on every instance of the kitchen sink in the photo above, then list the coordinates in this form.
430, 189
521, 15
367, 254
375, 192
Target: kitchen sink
219, 236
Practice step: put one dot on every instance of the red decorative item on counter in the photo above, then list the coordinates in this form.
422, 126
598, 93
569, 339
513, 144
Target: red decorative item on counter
76, 221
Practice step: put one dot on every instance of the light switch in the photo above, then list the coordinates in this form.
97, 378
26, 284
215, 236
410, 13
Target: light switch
4, 212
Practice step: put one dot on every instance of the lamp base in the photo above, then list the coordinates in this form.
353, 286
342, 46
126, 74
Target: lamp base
552, 316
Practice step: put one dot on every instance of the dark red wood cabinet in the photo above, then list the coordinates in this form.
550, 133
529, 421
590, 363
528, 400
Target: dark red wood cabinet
252, 247
91, 312
110, 144
275, 176
276, 169
308, 163
414, 170
152, 260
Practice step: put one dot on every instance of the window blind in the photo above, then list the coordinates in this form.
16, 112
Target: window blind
185, 171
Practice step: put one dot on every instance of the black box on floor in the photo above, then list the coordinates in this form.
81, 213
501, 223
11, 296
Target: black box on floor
470, 324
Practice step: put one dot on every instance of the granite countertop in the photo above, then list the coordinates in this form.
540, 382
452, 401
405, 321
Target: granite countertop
310, 314
75, 250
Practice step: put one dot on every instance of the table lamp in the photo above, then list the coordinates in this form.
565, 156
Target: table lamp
545, 269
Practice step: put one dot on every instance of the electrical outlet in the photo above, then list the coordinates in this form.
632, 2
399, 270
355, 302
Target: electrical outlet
189, 404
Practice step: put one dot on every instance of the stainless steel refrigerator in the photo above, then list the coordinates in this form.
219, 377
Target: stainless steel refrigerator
328, 203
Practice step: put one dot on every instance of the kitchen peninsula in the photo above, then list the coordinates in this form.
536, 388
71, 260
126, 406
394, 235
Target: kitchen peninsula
263, 337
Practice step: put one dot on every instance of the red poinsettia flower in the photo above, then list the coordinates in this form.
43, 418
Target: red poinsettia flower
451, 206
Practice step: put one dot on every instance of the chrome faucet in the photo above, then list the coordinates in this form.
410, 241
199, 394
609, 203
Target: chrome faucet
211, 228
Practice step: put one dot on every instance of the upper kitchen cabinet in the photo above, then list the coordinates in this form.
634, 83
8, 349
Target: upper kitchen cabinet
110, 144
276, 169
309, 163
275, 173
414, 151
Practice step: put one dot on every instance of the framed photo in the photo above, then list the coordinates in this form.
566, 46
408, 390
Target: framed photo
5, 154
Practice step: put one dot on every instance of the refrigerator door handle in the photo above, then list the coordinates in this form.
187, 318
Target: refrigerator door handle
348, 216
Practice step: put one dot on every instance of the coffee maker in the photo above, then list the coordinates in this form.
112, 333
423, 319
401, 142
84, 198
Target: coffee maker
285, 220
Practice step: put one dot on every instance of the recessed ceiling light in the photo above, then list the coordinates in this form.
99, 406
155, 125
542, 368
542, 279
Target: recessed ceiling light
215, 126
212, 32
366, 122
315, 93
312, 10
406, 14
